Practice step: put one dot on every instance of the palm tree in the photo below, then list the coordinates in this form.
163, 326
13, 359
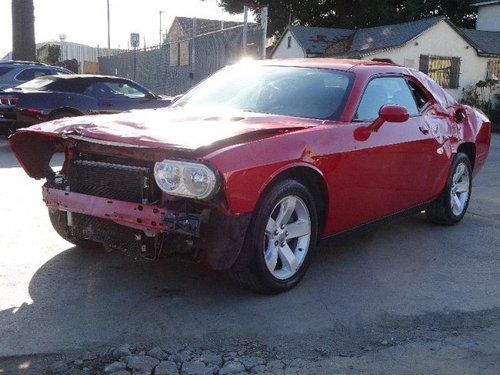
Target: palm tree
23, 30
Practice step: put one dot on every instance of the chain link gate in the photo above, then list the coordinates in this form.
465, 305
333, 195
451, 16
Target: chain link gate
176, 66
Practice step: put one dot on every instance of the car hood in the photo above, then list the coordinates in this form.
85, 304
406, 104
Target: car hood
170, 128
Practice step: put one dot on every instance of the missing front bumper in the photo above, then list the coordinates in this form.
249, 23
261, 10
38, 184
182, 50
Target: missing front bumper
151, 219
220, 236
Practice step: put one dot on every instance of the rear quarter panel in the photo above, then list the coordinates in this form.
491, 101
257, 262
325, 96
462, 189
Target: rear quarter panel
477, 130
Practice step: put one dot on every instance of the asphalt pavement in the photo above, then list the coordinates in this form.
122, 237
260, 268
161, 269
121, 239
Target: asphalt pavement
406, 297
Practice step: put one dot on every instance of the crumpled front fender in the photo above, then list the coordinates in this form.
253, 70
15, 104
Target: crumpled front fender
34, 151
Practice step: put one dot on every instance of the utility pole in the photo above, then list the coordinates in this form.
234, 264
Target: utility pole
109, 29
193, 50
263, 23
245, 30
161, 41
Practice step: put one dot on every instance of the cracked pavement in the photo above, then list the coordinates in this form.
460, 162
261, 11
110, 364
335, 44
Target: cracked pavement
406, 297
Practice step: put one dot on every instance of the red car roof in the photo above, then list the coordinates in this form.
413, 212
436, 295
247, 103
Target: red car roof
329, 63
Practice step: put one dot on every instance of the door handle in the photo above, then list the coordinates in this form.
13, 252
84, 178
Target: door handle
423, 130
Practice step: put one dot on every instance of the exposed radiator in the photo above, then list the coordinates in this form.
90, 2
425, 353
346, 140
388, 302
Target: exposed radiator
113, 181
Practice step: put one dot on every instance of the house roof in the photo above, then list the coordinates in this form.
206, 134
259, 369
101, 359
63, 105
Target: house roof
484, 2
390, 36
203, 25
485, 42
358, 43
315, 40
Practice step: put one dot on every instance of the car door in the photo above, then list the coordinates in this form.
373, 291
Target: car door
442, 129
389, 171
117, 96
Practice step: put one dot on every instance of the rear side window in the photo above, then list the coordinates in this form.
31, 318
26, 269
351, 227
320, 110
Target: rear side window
4, 70
32, 73
420, 96
385, 90
77, 85
56, 72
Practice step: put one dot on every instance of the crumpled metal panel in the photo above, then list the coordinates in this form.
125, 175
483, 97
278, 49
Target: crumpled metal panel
171, 128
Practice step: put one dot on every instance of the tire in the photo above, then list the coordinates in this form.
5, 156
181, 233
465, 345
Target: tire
62, 114
266, 239
445, 210
59, 222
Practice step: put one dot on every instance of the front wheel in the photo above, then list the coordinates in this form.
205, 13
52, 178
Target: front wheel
280, 241
453, 202
58, 220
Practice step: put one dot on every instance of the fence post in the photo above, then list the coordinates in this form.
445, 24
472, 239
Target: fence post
245, 30
193, 51
263, 21
135, 62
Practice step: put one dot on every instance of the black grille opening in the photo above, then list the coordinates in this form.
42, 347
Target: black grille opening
106, 232
113, 181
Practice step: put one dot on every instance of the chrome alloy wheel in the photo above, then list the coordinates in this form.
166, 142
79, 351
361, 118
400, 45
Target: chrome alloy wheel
287, 237
460, 189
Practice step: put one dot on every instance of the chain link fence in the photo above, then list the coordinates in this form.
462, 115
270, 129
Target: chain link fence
176, 66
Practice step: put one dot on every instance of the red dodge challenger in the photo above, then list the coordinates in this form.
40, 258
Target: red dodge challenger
258, 163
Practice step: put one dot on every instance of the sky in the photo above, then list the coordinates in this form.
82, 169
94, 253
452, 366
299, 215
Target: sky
85, 21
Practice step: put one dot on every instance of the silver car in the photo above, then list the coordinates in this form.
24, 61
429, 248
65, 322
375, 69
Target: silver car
14, 73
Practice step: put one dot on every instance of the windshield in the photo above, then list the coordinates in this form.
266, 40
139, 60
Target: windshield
37, 83
290, 91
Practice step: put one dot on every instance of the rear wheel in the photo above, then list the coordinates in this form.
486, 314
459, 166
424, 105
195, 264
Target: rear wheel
280, 241
453, 202
59, 221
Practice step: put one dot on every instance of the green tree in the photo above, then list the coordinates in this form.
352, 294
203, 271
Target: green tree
53, 54
23, 30
355, 13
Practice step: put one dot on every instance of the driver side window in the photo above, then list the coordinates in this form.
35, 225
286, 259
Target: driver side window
385, 90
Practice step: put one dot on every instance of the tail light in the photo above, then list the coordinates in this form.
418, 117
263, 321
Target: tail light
9, 101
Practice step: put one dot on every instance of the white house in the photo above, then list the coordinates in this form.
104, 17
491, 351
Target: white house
456, 58
488, 15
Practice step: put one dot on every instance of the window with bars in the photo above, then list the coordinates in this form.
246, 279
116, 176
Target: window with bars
444, 70
494, 69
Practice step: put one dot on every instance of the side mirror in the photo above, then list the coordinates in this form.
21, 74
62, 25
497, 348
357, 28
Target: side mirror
393, 113
386, 113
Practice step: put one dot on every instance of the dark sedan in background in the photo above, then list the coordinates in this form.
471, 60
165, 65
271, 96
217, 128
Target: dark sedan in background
14, 72
53, 97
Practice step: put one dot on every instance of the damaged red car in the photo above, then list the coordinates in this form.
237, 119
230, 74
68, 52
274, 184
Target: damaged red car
254, 166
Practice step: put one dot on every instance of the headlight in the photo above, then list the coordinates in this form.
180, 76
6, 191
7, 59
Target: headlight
185, 179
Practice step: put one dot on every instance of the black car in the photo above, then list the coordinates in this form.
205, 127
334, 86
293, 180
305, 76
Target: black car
53, 97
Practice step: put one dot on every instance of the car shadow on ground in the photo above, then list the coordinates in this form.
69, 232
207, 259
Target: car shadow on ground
352, 298
90, 296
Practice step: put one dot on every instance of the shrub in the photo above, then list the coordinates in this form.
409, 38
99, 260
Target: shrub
482, 96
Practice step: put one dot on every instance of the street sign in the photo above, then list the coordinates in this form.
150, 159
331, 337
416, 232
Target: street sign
134, 40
